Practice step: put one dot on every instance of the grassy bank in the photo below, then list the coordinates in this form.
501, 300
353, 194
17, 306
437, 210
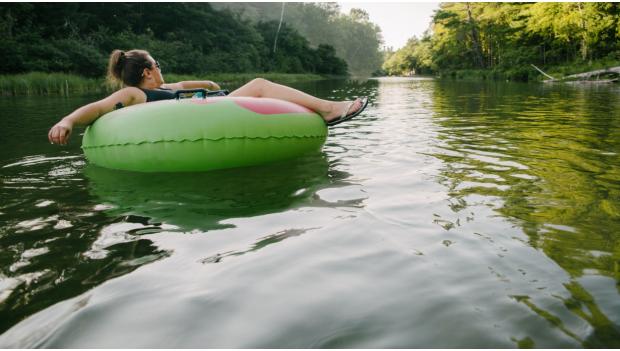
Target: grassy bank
566, 70
527, 73
240, 78
38, 83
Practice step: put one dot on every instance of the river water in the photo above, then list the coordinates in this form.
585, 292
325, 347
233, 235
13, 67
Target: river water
449, 214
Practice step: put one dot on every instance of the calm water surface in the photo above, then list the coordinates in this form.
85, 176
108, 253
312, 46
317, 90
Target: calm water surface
450, 214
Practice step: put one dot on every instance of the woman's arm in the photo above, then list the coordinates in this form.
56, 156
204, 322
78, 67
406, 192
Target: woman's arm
61, 131
193, 84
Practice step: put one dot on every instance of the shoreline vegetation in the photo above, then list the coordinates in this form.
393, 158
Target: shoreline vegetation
206, 39
528, 73
230, 42
502, 41
65, 84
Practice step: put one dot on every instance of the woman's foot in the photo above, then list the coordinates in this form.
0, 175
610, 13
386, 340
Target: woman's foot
340, 109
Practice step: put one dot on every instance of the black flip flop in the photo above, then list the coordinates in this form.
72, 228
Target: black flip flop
346, 117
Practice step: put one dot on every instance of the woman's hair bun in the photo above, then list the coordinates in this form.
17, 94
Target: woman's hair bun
127, 67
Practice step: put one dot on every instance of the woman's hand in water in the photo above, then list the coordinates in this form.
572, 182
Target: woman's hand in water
85, 115
60, 132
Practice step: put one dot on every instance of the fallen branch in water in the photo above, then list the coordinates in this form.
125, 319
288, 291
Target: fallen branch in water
583, 77
541, 71
594, 73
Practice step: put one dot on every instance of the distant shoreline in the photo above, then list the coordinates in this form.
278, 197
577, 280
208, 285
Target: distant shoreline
65, 84
523, 73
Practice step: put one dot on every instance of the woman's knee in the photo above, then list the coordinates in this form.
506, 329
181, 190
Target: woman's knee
258, 84
259, 81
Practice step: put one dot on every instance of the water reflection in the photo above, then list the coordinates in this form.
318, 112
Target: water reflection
204, 201
546, 159
262, 242
67, 226
73, 226
447, 215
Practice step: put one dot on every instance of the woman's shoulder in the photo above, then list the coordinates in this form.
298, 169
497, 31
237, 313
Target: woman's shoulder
131, 90
129, 96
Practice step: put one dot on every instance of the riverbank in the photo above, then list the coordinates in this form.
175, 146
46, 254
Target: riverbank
39, 83
527, 73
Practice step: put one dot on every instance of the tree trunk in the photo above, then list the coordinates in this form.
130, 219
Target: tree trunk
475, 38
597, 72
9, 25
584, 33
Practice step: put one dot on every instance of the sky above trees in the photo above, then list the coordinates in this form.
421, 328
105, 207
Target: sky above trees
398, 21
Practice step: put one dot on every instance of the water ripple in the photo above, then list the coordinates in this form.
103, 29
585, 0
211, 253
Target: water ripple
449, 214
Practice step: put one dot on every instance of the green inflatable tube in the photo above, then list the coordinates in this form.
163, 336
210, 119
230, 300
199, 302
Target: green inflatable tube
202, 134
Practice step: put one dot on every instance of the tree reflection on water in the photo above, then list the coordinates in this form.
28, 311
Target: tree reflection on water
549, 157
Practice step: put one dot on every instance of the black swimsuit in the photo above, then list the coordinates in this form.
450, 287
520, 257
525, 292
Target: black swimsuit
158, 94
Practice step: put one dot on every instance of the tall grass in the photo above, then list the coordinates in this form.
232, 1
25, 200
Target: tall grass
39, 83
518, 74
581, 67
527, 73
240, 78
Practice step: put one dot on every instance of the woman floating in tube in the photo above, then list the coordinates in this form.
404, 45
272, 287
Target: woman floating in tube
143, 81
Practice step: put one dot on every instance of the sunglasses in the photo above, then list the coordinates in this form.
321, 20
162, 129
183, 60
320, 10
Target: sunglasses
157, 65
151, 67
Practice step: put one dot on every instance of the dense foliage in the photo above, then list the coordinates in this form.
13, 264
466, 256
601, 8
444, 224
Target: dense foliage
186, 38
508, 37
353, 36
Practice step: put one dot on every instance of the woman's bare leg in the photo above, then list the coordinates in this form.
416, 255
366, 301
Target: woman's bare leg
329, 110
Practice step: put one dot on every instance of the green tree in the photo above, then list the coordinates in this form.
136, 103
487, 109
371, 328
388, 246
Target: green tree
588, 26
354, 37
187, 38
508, 37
